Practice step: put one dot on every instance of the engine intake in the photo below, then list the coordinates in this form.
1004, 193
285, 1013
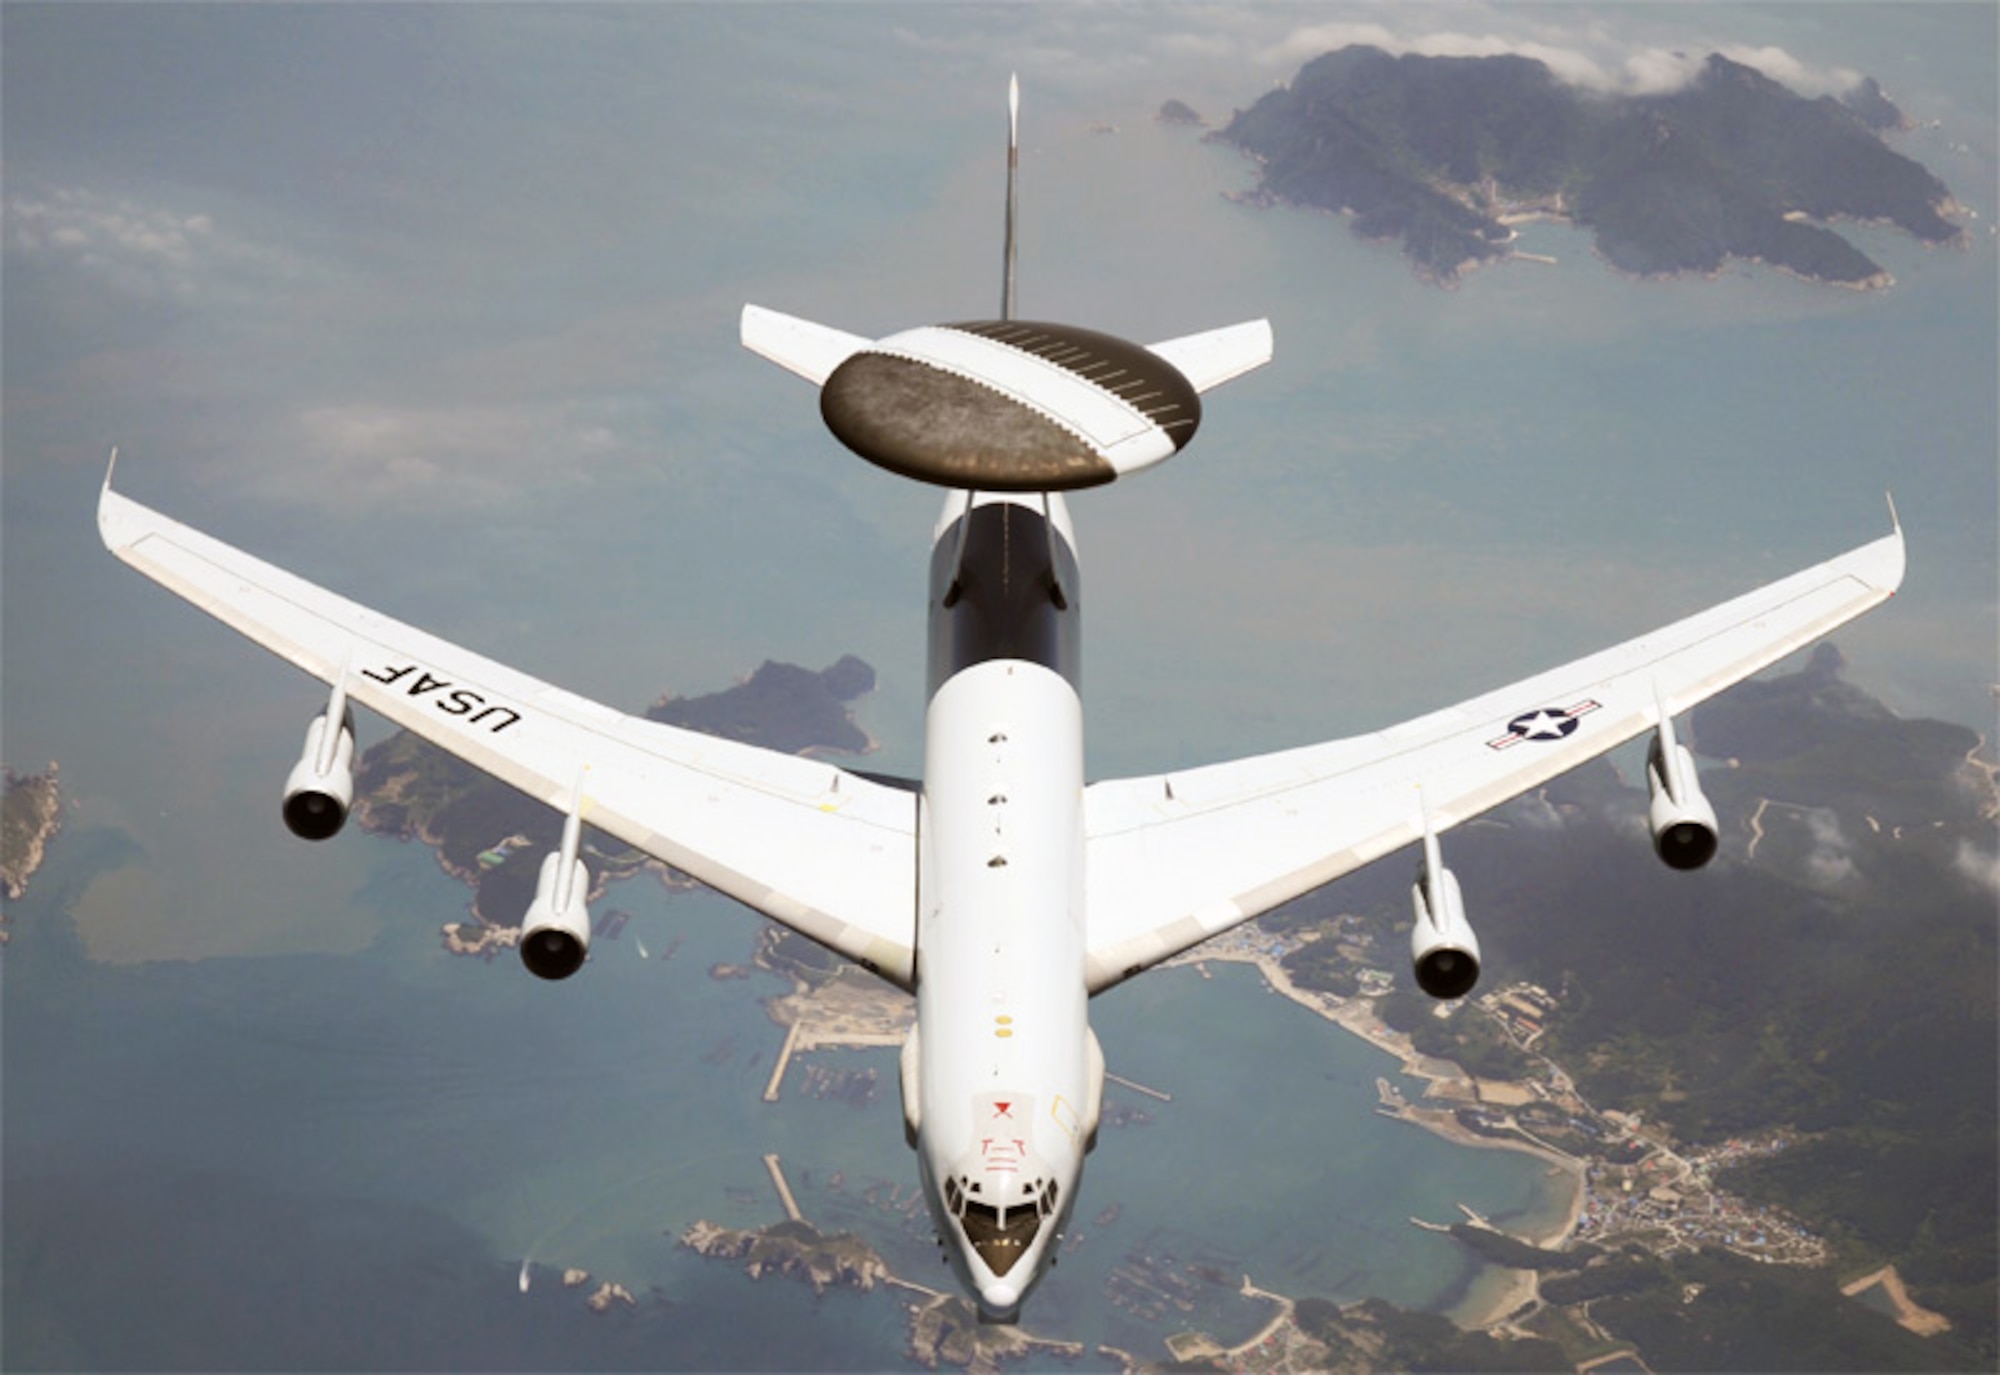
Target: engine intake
555, 935
1685, 834
1444, 953
320, 789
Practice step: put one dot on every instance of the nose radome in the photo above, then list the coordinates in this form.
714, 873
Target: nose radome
999, 1302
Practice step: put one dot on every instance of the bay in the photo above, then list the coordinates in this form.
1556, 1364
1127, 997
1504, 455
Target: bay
195, 1147
254, 1119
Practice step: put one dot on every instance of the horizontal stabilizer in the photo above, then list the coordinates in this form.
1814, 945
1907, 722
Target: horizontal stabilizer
1214, 356
812, 351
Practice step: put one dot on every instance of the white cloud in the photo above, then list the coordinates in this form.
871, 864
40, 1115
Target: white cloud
1593, 58
1828, 863
1787, 70
1302, 45
360, 454
1534, 812
1570, 65
147, 250
1628, 817
1982, 867
1655, 71
1093, 48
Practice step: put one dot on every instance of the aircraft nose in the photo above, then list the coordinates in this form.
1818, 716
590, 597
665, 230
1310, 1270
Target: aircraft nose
999, 1302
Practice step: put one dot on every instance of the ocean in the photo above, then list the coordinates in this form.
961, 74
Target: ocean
329, 1161
255, 1119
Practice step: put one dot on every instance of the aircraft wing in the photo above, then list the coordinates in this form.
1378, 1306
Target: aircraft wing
1176, 858
828, 853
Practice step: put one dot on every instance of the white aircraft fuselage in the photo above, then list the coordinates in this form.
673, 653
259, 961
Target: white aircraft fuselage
1007, 1076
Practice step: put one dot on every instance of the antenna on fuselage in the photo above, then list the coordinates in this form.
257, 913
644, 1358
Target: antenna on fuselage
957, 588
1013, 169
1007, 309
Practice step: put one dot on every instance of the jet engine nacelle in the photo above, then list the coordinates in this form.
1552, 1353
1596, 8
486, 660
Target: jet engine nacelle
555, 935
1443, 951
1685, 834
321, 786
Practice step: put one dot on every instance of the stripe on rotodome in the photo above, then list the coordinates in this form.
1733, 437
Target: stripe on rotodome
1135, 375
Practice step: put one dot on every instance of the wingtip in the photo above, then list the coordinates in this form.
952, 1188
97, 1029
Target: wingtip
1896, 559
109, 505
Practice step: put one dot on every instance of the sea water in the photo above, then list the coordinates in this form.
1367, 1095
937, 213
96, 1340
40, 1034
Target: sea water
332, 1161
335, 1146
195, 1147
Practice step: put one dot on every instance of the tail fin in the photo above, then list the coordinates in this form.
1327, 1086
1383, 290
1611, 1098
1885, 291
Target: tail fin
1013, 170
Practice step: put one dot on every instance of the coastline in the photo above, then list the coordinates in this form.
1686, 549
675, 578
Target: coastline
1494, 1295
33, 814
1495, 1292
864, 1014
33, 817
1498, 1292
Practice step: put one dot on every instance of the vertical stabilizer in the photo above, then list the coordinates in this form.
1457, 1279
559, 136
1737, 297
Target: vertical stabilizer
1013, 168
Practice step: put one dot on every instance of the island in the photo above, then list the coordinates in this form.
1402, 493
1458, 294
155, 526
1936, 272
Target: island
1771, 1091
1768, 1092
29, 819
1448, 154
1717, 1214
945, 1329
792, 1247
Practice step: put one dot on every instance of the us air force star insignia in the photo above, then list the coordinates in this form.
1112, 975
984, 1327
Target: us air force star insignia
1543, 725
1547, 723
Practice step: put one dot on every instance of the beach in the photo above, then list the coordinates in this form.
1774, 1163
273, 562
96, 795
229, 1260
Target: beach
1497, 1292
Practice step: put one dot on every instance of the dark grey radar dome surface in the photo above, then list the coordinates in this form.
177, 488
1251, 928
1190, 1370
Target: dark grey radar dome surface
1009, 405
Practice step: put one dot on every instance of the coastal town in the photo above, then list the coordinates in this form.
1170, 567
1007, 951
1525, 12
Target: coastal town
1630, 1186
1635, 1195
1626, 1194
1630, 1182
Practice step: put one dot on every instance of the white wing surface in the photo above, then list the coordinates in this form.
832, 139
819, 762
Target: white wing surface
826, 852
1176, 858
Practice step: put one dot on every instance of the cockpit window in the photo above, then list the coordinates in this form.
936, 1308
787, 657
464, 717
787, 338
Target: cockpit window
1001, 1236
